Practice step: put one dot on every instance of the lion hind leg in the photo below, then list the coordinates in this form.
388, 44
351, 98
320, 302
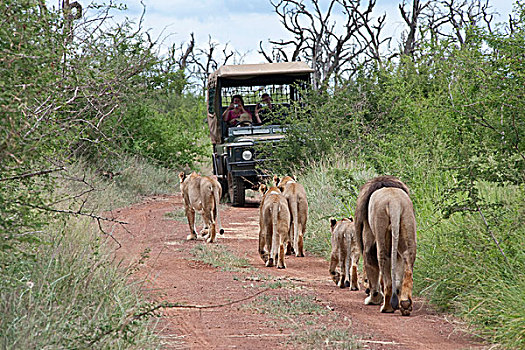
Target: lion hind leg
210, 223
387, 301
300, 239
405, 303
280, 259
385, 267
371, 268
289, 245
354, 283
190, 214
345, 268
334, 261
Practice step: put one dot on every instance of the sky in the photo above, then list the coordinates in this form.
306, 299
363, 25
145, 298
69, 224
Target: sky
241, 24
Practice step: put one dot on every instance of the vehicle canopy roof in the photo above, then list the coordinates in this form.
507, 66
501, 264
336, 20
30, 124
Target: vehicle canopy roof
248, 75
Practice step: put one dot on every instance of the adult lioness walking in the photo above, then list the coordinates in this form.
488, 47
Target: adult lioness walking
385, 231
202, 194
274, 224
295, 195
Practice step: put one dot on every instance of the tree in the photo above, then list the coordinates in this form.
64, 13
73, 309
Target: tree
332, 50
445, 19
62, 95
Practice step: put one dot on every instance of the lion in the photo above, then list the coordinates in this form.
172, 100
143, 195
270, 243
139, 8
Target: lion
345, 252
202, 194
385, 232
274, 224
298, 205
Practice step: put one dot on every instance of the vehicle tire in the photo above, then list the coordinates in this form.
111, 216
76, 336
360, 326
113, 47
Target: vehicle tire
236, 190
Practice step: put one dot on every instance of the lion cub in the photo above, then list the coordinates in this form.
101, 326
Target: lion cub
298, 205
202, 194
345, 252
274, 224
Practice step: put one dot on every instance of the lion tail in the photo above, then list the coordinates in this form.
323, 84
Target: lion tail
395, 217
217, 198
295, 217
275, 232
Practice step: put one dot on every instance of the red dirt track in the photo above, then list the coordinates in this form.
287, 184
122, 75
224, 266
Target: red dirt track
172, 274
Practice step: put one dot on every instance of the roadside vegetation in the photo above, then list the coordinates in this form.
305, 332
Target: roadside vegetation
448, 121
93, 118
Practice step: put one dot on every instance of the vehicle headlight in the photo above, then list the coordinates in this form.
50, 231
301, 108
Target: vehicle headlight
247, 155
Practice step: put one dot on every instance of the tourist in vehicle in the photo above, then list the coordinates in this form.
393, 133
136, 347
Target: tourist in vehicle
236, 108
263, 109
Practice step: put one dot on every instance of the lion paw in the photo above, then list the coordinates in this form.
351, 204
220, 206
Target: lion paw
405, 307
335, 277
386, 308
375, 299
191, 237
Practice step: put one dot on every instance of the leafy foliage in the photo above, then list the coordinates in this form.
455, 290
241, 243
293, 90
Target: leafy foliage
70, 93
449, 121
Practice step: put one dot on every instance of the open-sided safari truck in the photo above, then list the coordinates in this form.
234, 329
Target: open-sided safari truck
236, 160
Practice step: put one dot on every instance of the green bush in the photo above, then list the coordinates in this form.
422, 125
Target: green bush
173, 138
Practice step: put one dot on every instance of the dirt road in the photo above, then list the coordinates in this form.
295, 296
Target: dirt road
255, 307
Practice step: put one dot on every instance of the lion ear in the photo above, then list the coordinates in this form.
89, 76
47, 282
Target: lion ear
351, 219
276, 180
332, 222
262, 188
182, 176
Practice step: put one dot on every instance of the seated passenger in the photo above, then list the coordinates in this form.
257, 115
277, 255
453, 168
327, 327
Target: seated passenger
263, 109
236, 108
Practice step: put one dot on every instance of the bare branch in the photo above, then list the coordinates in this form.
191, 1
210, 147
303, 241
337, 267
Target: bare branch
262, 52
32, 174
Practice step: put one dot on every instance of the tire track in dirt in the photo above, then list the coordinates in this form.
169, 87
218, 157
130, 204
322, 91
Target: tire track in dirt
171, 274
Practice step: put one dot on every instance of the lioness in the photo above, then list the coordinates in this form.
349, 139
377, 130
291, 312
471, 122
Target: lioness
385, 231
345, 252
298, 204
274, 224
202, 194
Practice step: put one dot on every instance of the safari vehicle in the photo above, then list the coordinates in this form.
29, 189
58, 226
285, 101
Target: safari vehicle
237, 158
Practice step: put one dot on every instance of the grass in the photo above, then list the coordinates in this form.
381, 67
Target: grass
477, 271
326, 338
291, 305
308, 319
331, 186
65, 290
71, 295
180, 215
219, 256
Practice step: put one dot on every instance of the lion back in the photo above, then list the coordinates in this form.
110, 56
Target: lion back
363, 200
